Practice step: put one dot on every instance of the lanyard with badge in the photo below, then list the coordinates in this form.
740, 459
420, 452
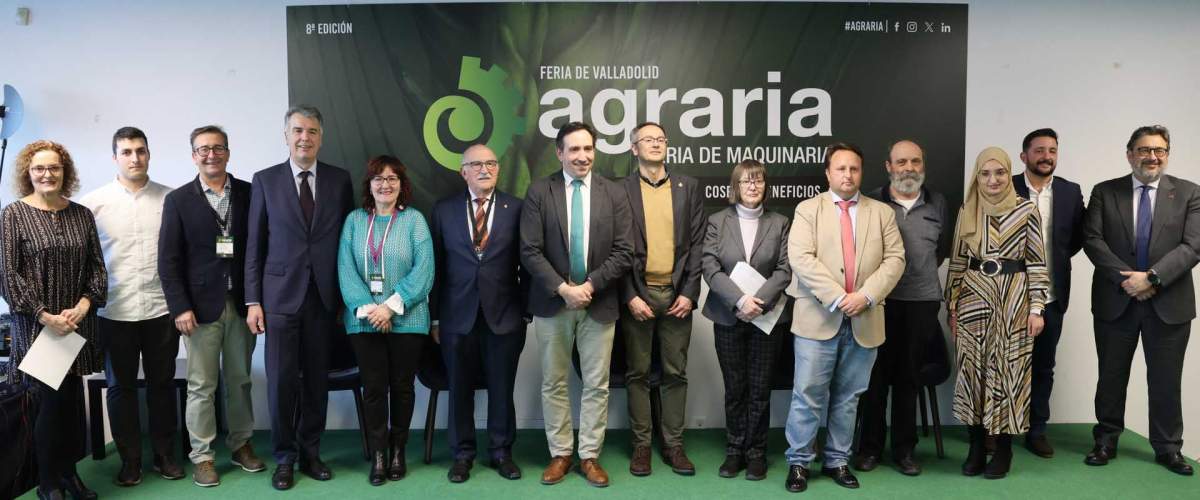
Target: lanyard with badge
487, 215
224, 240
375, 280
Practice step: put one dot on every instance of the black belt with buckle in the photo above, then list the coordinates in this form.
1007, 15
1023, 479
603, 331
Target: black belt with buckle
993, 267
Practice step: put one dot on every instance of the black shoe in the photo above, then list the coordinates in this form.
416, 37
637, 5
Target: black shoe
797, 479
166, 467
976, 456
907, 465
284, 477
55, 494
1001, 459
397, 467
866, 463
316, 469
756, 469
732, 465
378, 474
1175, 462
842, 476
1039, 445
1100, 455
77, 489
507, 468
130, 474
460, 472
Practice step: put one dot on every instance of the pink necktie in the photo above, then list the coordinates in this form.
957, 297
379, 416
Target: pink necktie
847, 243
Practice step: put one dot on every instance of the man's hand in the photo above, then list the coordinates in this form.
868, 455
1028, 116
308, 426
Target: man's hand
751, 308
255, 319
577, 297
853, 304
435, 332
1144, 296
1036, 324
681, 308
186, 322
640, 309
381, 318
1135, 283
58, 322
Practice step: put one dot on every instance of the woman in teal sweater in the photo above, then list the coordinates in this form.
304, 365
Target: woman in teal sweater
385, 269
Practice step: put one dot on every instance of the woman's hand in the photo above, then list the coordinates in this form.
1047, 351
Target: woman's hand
751, 308
58, 322
381, 318
77, 313
1036, 324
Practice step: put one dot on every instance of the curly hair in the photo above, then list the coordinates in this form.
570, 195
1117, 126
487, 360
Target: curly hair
24, 186
375, 167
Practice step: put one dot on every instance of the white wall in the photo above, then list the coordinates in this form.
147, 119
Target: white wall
1092, 70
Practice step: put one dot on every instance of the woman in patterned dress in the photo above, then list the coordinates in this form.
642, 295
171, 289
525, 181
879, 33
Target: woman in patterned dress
995, 292
385, 269
54, 277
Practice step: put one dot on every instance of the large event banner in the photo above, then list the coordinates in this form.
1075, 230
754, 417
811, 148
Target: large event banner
772, 81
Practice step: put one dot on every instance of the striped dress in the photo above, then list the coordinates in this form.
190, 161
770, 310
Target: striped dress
51, 260
994, 349
408, 255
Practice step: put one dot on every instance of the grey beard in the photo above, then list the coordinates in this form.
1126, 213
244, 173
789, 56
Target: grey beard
1147, 177
907, 185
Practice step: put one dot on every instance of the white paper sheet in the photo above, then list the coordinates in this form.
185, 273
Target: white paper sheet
748, 279
51, 356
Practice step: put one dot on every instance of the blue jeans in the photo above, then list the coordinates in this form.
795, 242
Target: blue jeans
830, 376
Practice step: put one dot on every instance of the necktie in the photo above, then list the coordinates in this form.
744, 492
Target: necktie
847, 243
481, 230
1144, 220
306, 198
578, 259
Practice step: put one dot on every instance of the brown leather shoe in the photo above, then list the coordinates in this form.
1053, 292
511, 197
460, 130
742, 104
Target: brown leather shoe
678, 460
639, 464
557, 470
245, 458
595, 475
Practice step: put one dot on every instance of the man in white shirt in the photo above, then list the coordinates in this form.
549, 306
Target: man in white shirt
135, 324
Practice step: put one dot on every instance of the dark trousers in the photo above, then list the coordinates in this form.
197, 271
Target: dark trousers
1163, 346
747, 359
1044, 348
673, 335
908, 325
496, 357
388, 363
154, 342
56, 434
297, 357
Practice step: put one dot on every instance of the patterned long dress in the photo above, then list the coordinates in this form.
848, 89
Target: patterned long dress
51, 259
994, 349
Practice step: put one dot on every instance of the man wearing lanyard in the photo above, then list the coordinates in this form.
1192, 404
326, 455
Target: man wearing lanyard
201, 258
135, 323
479, 281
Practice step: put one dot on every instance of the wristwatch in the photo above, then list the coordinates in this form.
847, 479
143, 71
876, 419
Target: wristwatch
1153, 278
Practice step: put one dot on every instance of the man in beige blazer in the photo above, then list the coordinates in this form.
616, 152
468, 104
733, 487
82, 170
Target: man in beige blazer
846, 253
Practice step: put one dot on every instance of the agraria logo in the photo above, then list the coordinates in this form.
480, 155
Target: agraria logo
467, 120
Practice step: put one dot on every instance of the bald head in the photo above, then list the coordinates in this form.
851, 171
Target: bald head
480, 168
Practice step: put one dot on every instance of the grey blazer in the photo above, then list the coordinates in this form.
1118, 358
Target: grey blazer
723, 249
1109, 242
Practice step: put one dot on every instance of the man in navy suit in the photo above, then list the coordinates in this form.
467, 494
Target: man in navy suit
476, 244
201, 259
1060, 204
296, 212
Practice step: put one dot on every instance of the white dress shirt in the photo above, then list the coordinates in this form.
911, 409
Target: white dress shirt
128, 224
854, 231
491, 214
1044, 200
586, 192
312, 179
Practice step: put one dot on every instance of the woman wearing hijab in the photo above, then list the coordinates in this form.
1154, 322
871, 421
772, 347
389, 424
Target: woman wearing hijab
995, 292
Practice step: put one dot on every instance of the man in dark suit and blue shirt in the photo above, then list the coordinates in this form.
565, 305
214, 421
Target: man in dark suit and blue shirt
1142, 232
477, 282
201, 260
575, 243
296, 214
1060, 204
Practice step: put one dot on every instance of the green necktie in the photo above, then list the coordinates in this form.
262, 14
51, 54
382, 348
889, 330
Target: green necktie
578, 259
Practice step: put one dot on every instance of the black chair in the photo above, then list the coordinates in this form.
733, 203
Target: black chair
933, 372
434, 377
618, 367
96, 414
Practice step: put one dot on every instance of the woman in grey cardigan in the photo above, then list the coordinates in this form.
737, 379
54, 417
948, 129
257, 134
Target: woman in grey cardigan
745, 232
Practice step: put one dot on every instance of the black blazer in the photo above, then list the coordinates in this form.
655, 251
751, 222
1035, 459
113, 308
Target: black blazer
193, 277
687, 205
1110, 242
466, 284
545, 248
1067, 227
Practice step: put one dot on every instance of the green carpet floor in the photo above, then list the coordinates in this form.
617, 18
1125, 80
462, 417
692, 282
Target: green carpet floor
1133, 475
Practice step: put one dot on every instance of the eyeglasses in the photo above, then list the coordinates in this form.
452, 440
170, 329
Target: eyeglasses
491, 165
1158, 152
753, 182
41, 170
205, 150
652, 140
390, 179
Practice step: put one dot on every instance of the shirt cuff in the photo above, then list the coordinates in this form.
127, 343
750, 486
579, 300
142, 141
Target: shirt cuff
870, 300
1036, 310
363, 311
434, 323
833, 307
395, 303
742, 301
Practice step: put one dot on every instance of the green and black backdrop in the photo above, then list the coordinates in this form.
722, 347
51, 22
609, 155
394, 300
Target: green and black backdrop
774, 81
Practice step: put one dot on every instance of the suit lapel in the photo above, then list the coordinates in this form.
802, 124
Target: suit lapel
500, 220
460, 213
633, 188
862, 228
760, 234
558, 196
731, 229
1020, 187
288, 184
1164, 201
324, 193
679, 216
1125, 207
594, 203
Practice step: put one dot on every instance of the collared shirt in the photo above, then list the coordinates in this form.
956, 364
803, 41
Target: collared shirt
1044, 200
220, 203
312, 179
128, 223
1137, 194
475, 206
586, 192
921, 228
853, 231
